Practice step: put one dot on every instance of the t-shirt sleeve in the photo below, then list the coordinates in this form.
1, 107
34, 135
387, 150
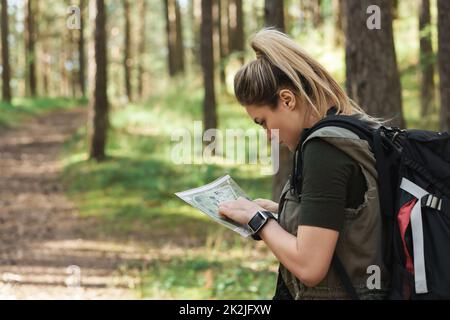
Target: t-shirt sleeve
326, 173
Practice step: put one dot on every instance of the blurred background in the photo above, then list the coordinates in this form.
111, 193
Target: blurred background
92, 91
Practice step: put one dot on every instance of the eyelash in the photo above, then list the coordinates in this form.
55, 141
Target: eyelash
262, 123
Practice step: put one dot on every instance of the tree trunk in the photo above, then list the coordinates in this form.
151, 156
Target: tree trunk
236, 28
179, 53
207, 57
372, 74
394, 9
443, 58
99, 100
224, 38
30, 49
127, 61
6, 73
317, 13
274, 17
426, 58
81, 57
195, 17
338, 29
174, 37
142, 48
274, 14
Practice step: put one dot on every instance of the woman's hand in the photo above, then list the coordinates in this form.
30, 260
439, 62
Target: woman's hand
268, 205
240, 210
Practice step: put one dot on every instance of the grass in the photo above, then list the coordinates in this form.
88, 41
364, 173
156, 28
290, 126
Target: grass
20, 109
201, 277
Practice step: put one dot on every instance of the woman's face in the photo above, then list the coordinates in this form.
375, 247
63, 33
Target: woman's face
289, 117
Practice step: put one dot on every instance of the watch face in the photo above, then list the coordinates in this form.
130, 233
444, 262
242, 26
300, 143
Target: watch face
256, 221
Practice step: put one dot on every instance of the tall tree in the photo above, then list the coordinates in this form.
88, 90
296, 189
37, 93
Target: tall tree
274, 14
317, 13
222, 26
394, 9
207, 57
337, 16
127, 61
444, 58
372, 73
30, 48
6, 73
81, 54
195, 17
236, 27
174, 37
426, 57
98, 113
142, 47
274, 17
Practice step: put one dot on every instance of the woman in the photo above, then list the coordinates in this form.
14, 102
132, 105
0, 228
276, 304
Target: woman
338, 211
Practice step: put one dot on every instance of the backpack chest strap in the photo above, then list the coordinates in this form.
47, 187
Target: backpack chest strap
420, 277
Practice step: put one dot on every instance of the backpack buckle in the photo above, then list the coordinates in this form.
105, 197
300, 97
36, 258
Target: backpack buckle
431, 201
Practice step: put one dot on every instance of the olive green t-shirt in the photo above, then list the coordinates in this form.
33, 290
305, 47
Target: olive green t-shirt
332, 181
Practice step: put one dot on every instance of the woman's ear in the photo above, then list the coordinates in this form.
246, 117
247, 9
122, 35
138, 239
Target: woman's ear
287, 99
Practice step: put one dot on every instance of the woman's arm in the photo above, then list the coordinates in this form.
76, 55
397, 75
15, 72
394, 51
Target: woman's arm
307, 256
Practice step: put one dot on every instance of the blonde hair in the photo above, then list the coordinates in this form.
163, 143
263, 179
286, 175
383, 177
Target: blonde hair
281, 63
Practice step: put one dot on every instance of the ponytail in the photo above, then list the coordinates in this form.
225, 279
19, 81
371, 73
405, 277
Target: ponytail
281, 63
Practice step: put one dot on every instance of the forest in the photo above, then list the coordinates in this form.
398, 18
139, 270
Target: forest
92, 91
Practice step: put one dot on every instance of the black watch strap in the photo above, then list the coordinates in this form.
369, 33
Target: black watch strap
258, 221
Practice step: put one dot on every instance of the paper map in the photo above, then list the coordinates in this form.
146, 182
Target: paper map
207, 198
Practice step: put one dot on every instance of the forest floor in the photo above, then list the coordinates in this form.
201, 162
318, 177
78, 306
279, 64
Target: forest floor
43, 253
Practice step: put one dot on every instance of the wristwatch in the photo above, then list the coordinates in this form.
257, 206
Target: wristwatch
258, 221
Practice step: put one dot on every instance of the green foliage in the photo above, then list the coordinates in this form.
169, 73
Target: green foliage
201, 277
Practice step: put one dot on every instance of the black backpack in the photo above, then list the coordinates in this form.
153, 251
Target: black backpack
414, 187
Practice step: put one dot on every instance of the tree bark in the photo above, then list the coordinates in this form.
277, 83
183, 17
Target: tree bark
317, 13
207, 57
372, 74
195, 17
6, 71
338, 28
142, 48
274, 14
236, 28
443, 60
426, 58
222, 19
174, 37
127, 61
394, 9
179, 43
30, 48
99, 100
274, 17
81, 54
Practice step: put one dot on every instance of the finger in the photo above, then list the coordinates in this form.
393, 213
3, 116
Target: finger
223, 210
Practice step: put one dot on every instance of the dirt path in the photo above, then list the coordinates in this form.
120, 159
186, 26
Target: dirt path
43, 254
